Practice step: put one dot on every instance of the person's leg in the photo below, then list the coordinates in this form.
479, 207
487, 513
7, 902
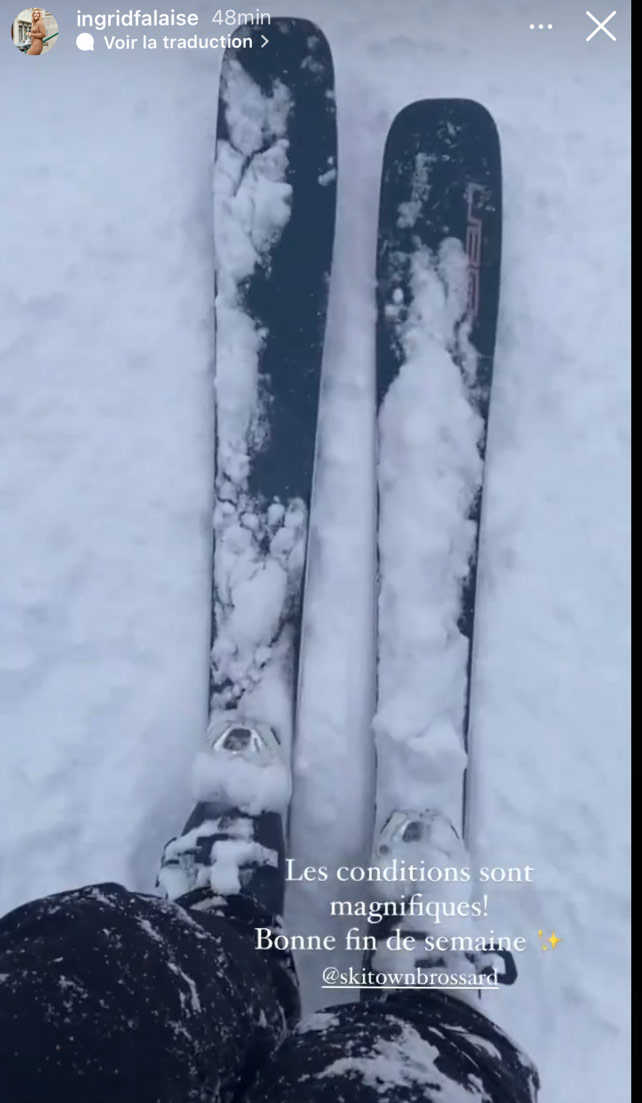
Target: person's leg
419, 1044
413, 1048
109, 996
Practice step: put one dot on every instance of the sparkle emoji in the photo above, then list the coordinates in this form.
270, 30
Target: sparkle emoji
554, 940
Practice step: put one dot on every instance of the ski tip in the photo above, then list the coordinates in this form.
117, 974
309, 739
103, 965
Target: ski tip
291, 50
289, 34
300, 28
431, 116
445, 108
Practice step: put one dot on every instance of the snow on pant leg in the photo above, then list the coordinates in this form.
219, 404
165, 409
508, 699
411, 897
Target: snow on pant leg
109, 996
411, 1048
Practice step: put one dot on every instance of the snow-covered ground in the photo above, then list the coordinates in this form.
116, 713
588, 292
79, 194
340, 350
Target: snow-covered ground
106, 449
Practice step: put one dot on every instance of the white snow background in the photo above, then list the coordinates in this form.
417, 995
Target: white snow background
106, 449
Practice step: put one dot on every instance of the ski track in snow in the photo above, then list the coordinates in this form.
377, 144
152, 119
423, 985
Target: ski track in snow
106, 351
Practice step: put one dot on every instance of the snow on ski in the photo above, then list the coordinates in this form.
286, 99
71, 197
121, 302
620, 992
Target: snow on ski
438, 282
274, 207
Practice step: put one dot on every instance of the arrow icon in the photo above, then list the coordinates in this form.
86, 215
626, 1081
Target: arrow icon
265, 41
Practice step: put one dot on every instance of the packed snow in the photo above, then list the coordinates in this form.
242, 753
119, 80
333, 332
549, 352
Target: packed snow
107, 305
249, 786
428, 423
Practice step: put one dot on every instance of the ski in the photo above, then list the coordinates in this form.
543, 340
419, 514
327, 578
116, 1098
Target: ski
274, 211
438, 266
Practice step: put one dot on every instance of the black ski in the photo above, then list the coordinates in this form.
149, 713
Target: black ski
438, 267
275, 188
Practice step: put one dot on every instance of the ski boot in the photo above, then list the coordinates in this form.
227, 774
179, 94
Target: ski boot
423, 840
233, 843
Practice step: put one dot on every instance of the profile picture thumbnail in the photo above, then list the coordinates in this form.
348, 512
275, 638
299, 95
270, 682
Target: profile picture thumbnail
34, 31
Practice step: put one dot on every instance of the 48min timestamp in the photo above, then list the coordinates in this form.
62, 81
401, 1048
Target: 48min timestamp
230, 18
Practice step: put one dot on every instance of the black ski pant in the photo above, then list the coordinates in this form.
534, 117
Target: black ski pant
109, 996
